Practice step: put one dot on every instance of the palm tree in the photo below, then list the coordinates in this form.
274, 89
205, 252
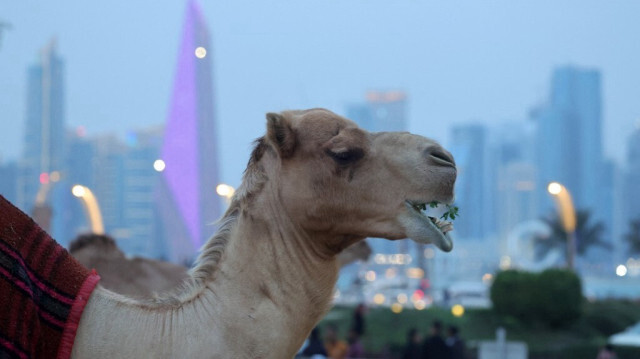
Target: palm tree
633, 236
588, 235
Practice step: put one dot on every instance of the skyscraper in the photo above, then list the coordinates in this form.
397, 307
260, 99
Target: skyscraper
68, 214
569, 138
44, 143
139, 179
468, 146
382, 111
512, 188
632, 180
187, 202
122, 177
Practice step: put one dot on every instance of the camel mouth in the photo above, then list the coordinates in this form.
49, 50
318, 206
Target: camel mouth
422, 227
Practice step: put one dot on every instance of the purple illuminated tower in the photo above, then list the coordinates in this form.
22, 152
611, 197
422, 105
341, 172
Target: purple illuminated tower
186, 198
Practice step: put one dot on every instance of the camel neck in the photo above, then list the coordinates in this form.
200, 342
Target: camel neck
272, 282
267, 292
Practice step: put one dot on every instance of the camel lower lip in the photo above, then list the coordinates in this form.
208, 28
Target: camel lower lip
422, 229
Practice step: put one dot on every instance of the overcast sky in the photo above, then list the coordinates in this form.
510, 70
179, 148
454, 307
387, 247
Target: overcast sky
459, 61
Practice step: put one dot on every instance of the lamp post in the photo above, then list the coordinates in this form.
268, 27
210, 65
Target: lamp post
567, 214
91, 207
225, 191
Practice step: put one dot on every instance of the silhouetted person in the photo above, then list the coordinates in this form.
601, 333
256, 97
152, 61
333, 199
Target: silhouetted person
315, 345
455, 343
607, 353
447, 296
413, 349
336, 348
434, 346
356, 350
358, 320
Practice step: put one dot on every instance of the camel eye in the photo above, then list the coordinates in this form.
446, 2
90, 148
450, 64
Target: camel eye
346, 157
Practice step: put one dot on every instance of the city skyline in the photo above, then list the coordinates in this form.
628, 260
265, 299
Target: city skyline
477, 72
502, 156
386, 111
497, 161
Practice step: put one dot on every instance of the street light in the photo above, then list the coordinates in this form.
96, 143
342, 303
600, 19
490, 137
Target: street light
159, 165
226, 191
567, 214
91, 207
457, 310
621, 270
201, 52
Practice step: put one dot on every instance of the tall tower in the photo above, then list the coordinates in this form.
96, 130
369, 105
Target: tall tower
187, 202
632, 180
44, 143
468, 146
382, 111
512, 185
569, 139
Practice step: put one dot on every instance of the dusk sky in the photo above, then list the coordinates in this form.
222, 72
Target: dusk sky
459, 62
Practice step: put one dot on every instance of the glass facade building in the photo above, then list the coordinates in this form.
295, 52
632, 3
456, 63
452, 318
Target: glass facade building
382, 111
569, 138
187, 201
44, 136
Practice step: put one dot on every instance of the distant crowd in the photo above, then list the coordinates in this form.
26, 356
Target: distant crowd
333, 347
435, 346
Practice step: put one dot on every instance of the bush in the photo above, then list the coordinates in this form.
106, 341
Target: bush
553, 297
512, 294
559, 299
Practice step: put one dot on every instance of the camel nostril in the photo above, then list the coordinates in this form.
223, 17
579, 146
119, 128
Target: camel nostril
442, 158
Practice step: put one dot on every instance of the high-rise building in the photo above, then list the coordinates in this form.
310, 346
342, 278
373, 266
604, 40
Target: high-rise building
569, 138
44, 139
631, 191
516, 196
108, 181
140, 175
512, 188
187, 201
468, 146
122, 177
79, 169
382, 111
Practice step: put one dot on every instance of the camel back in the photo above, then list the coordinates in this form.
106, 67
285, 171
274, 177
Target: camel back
43, 290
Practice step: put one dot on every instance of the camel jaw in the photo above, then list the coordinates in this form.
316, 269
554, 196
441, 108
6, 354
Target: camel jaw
425, 229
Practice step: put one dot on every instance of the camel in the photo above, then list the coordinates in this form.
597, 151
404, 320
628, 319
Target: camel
140, 277
137, 277
315, 184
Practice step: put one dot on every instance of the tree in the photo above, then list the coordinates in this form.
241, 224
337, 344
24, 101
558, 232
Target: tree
588, 235
552, 297
633, 236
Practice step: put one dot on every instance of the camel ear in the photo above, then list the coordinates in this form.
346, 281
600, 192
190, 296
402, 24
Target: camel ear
280, 134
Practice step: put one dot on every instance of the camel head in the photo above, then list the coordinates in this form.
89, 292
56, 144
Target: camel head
341, 183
